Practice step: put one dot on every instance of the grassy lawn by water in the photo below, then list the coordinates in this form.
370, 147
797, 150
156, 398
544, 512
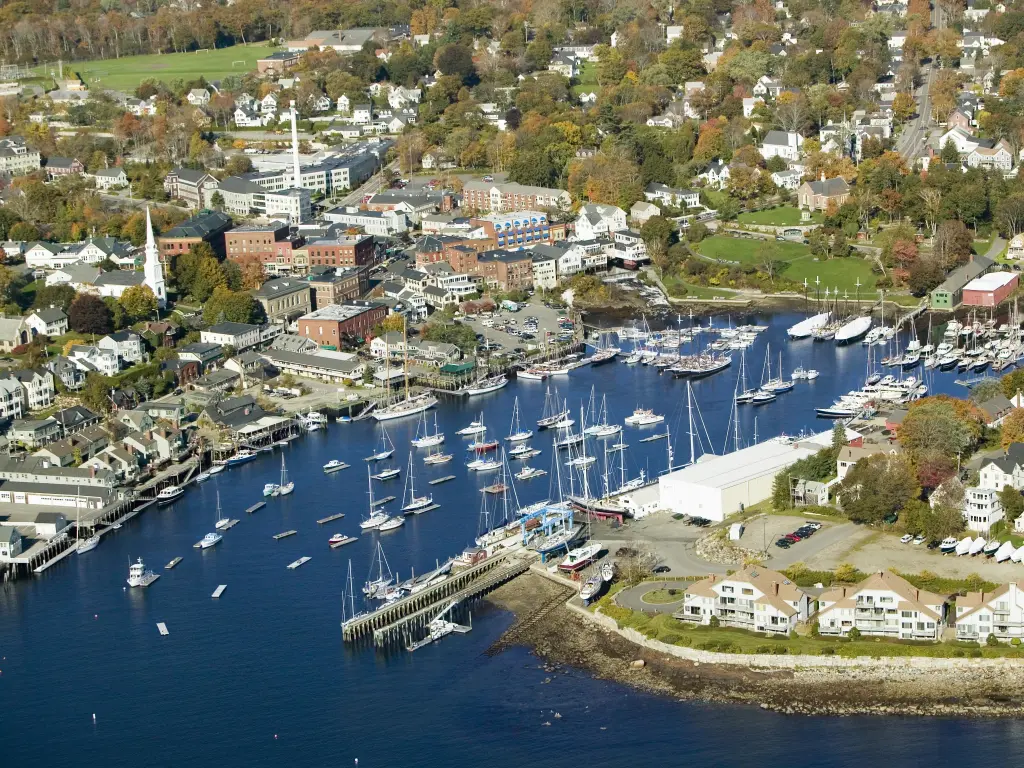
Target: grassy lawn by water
783, 216
681, 289
747, 251
126, 73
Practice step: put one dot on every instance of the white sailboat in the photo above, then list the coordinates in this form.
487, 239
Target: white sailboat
411, 404
285, 487
425, 439
377, 516
376, 585
516, 433
414, 504
386, 450
223, 523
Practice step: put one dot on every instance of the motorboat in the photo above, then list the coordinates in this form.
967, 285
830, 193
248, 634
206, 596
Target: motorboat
209, 540
643, 417
270, 489
169, 494
391, 523
334, 465
520, 449
484, 465
202, 477
527, 473
532, 374
474, 428
1005, 551
838, 410
592, 588
811, 374
241, 457
138, 576
976, 546
581, 462
580, 557
387, 474
608, 570
216, 469
991, 547
964, 546
949, 545
763, 397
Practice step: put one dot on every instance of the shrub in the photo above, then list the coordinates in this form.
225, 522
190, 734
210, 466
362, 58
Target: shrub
1015, 641
763, 649
815, 630
671, 638
992, 641
976, 653
853, 634
714, 623
828, 650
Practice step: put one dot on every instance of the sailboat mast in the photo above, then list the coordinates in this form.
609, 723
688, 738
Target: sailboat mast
405, 358
689, 411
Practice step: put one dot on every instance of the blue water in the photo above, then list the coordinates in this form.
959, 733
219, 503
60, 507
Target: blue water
260, 677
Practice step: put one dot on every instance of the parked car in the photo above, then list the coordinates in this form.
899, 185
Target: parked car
919, 539
662, 569
488, 178
783, 543
906, 538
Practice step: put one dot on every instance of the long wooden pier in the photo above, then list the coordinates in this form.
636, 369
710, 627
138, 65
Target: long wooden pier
386, 623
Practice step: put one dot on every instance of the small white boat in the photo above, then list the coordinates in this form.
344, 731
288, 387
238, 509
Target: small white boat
209, 540
474, 428
285, 486
391, 523
387, 474
424, 439
138, 576
386, 450
607, 430
270, 489
484, 465
949, 544
1018, 555
516, 433
581, 461
811, 374
223, 523
334, 465
529, 472
169, 494
437, 458
976, 546
608, 570
619, 446
415, 503
202, 477
1005, 552
964, 546
216, 469
89, 544
642, 417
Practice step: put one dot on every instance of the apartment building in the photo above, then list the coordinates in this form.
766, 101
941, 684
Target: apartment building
502, 198
340, 251
999, 612
284, 298
753, 598
205, 226
506, 270
16, 158
189, 186
518, 230
883, 605
328, 325
330, 285
271, 243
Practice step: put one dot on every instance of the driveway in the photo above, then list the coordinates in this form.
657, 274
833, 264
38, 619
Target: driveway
632, 597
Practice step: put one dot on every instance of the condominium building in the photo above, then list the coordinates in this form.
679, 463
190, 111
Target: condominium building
753, 598
999, 612
16, 158
883, 605
518, 230
486, 196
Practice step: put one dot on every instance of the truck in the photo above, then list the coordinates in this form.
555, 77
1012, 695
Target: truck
511, 306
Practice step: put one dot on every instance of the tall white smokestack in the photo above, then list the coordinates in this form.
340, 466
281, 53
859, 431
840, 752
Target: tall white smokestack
295, 150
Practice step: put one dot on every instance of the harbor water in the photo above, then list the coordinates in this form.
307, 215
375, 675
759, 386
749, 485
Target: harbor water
260, 676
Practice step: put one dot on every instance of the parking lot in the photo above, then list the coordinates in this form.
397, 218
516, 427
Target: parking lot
547, 321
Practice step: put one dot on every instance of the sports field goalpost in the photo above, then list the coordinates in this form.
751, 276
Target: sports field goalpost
243, 62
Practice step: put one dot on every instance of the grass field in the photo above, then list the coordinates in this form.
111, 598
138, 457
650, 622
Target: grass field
587, 79
126, 73
680, 288
833, 273
783, 216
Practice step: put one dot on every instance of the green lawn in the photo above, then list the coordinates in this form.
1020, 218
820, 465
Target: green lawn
126, 73
747, 251
586, 81
681, 289
783, 216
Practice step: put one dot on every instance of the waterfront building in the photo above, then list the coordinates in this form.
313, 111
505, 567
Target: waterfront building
883, 605
752, 598
990, 290
999, 612
328, 325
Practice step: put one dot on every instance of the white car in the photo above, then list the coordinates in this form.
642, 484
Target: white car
906, 539
919, 539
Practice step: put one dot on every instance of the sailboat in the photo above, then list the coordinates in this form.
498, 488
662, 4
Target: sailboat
285, 487
212, 537
437, 457
375, 586
84, 545
423, 438
744, 394
222, 523
553, 412
348, 600
386, 450
778, 385
410, 405
377, 516
415, 504
516, 433
600, 426
202, 476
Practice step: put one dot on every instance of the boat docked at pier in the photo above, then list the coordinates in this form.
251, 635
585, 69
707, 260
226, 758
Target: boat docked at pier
377, 517
243, 456
169, 494
409, 406
643, 417
853, 330
139, 576
485, 386
805, 328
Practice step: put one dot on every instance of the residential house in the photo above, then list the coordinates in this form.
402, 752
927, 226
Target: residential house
11, 406
198, 97
851, 454
33, 433
75, 419
37, 387
787, 179
753, 598
16, 159
767, 87
188, 185
715, 175
1015, 249
597, 220
641, 211
545, 273
220, 380
239, 336
48, 322
249, 117
63, 166
127, 345
205, 355
883, 605
362, 114
676, 198
998, 156
248, 365
14, 332
784, 144
122, 463
110, 178
75, 449
88, 358
70, 375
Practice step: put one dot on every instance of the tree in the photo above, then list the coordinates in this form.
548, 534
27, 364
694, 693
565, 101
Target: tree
59, 296
903, 107
1009, 215
953, 243
878, 486
392, 323
225, 305
1012, 429
88, 314
1011, 501
23, 231
925, 274
139, 302
941, 425
943, 520
658, 234
217, 200
457, 60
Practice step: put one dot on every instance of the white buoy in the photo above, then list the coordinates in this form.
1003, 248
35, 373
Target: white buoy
94, 717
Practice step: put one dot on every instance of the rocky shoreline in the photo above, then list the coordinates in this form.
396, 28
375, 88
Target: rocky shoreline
562, 636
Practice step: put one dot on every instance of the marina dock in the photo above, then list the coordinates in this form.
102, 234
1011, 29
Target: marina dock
162, 628
385, 500
328, 519
440, 480
652, 438
230, 524
343, 542
219, 590
284, 534
422, 510
301, 561
256, 507
173, 563
390, 623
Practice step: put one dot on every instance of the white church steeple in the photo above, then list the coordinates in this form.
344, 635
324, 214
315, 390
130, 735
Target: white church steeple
154, 270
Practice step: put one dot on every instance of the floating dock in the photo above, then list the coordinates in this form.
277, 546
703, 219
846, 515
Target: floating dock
440, 480
229, 524
219, 590
173, 563
284, 534
328, 519
385, 500
496, 488
162, 627
421, 510
256, 507
652, 438
301, 561
343, 542
338, 468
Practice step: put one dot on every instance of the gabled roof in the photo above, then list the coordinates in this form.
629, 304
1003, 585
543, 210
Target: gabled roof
919, 599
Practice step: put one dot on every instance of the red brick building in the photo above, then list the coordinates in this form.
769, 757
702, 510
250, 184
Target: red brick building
343, 251
271, 243
333, 286
328, 325
205, 226
506, 270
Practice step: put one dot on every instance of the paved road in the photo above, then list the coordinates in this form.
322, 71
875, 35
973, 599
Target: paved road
914, 133
995, 249
632, 597
372, 186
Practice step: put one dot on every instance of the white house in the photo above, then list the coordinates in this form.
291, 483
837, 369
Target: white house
998, 156
125, 344
784, 144
999, 612
88, 358
750, 104
37, 387
715, 175
362, 114
545, 272
198, 97
641, 211
48, 322
597, 220
982, 509
752, 598
767, 86
108, 178
964, 141
247, 117
241, 336
677, 198
883, 605
344, 104
268, 104
1015, 250
787, 179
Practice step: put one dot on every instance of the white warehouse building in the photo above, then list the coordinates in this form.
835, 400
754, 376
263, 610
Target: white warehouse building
717, 486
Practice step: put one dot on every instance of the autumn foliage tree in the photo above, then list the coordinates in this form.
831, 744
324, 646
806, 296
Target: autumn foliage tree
1013, 428
88, 314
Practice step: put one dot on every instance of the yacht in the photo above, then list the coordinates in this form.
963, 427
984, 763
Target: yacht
386, 450
529, 472
763, 397
209, 540
87, 545
424, 439
216, 469
138, 576
532, 374
642, 417
948, 545
391, 523
408, 407
580, 557
519, 450
805, 328
270, 489
415, 504
437, 458
485, 386
474, 428
387, 474
853, 330
169, 494
516, 433
334, 465
285, 487
241, 457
